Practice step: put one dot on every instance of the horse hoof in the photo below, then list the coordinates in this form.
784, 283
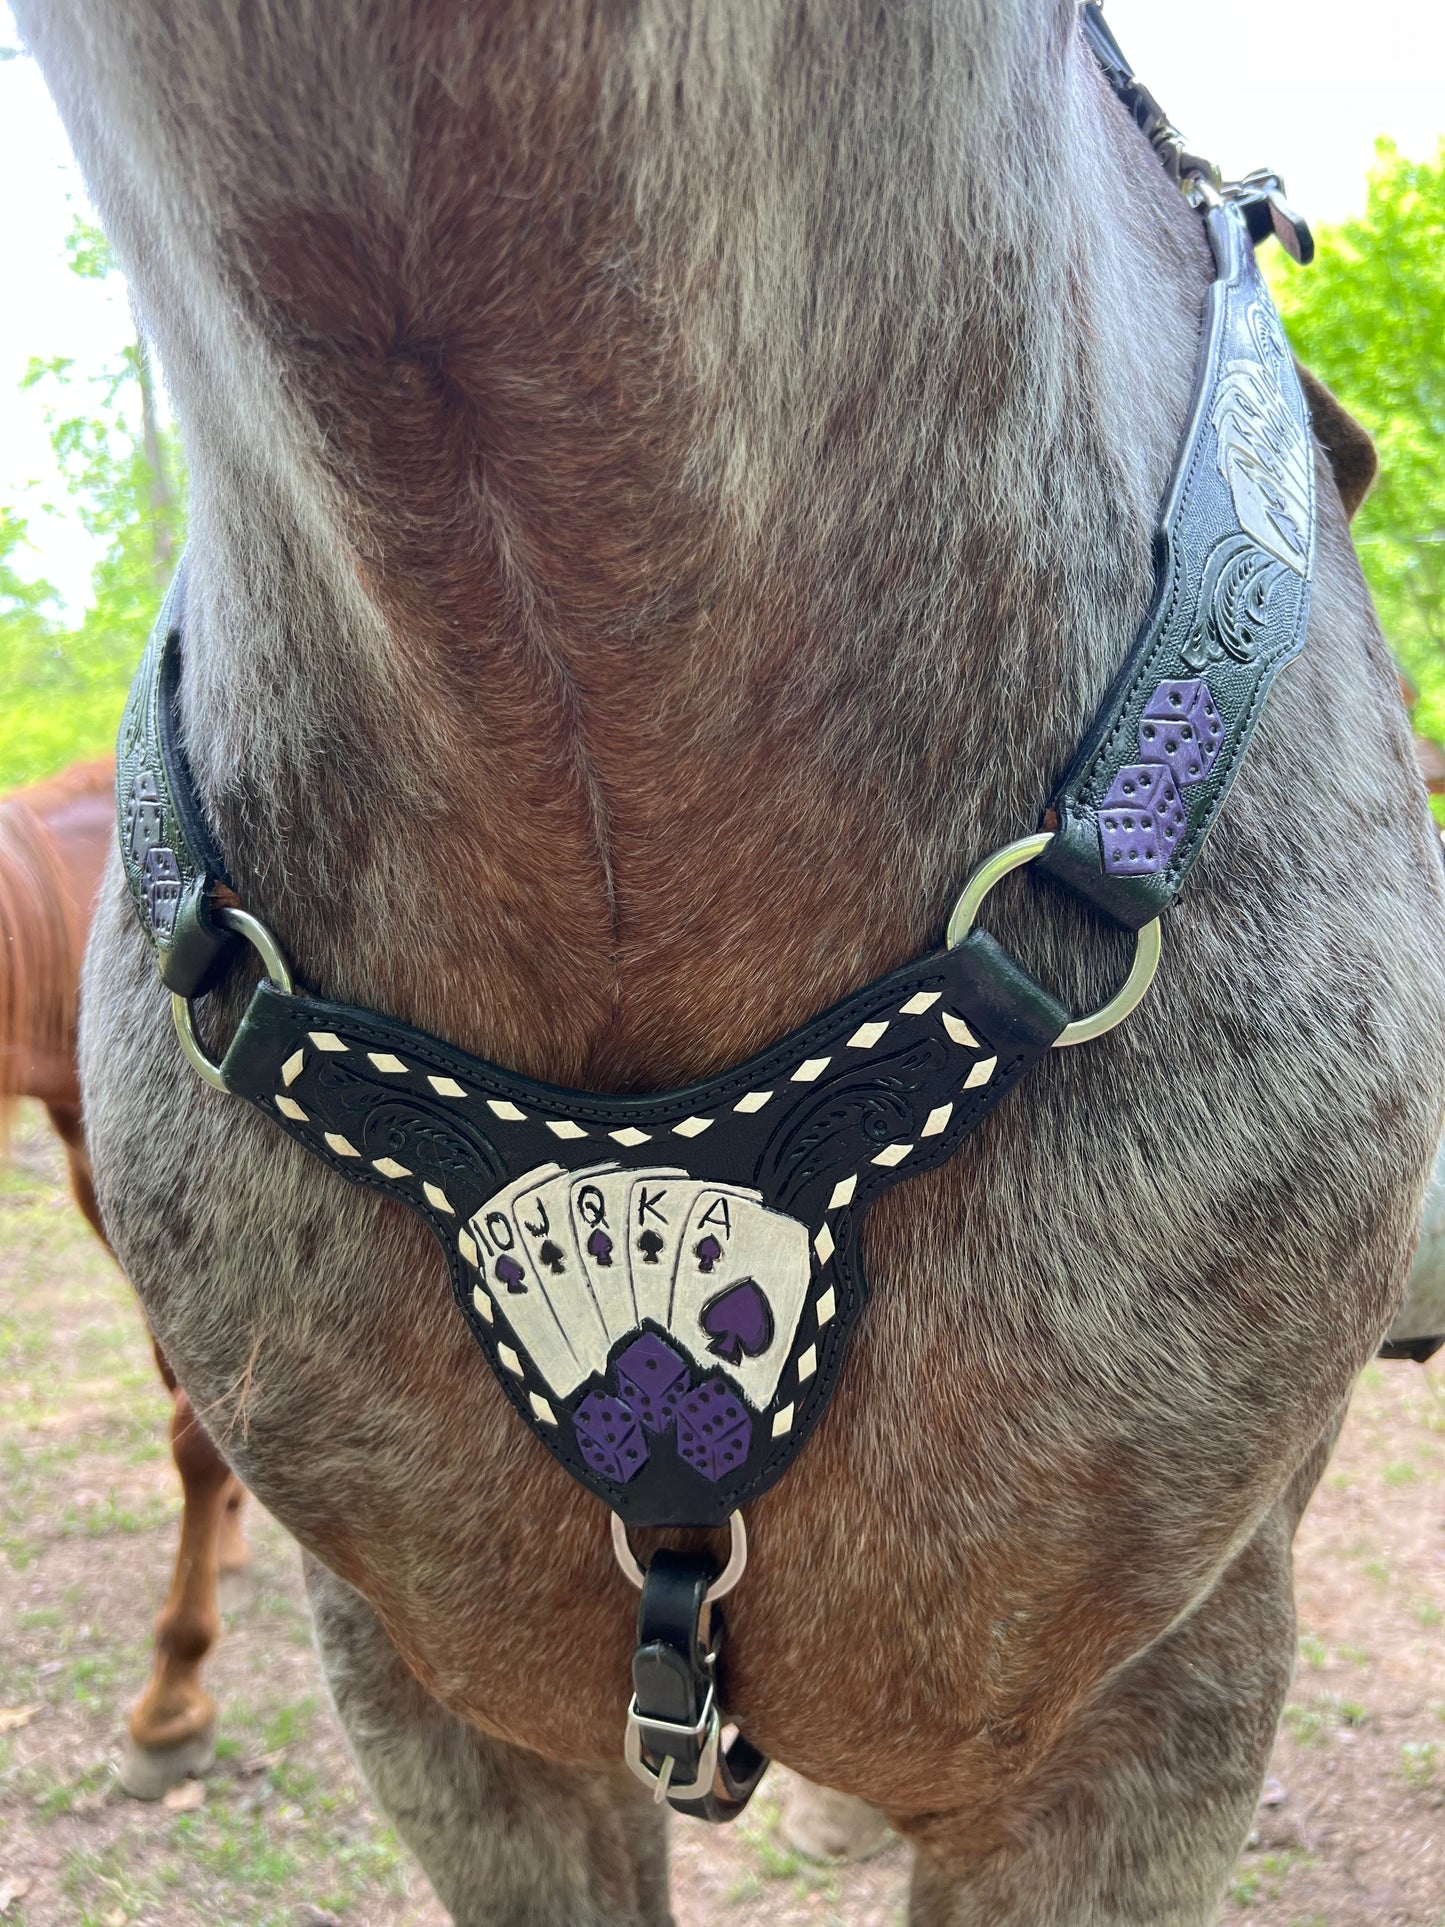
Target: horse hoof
823, 1825
236, 1590
146, 1772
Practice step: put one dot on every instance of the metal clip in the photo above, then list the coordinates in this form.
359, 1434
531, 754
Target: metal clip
1261, 195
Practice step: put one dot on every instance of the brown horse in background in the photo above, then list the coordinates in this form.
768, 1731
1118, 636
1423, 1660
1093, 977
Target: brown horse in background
54, 838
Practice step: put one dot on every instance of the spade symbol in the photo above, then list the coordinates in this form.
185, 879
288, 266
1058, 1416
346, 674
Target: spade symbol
707, 1253
551, 1256
511, 1274
599, 1246
739, 1321
650, 1245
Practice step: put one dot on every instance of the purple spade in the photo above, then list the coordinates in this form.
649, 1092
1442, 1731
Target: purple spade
511, 1274
739, 1321
707, 1253
599, 1246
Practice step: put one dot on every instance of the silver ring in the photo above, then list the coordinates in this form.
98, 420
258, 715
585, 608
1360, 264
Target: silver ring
277, 970
1148, 941
720, 1587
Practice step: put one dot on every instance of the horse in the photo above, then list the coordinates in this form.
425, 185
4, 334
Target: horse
54, 837
669, 488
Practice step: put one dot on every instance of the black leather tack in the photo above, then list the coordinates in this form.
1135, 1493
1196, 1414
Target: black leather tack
171, 860
1417, 1350
675, 1680
1233, 559
726, 1388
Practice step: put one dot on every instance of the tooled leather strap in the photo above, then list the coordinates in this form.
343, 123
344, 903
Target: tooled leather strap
1232, 558
172, 862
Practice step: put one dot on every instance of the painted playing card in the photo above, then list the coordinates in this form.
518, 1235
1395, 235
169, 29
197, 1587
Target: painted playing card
598, 1207
542, 1217
741, 1278
657, 1206
510, 1276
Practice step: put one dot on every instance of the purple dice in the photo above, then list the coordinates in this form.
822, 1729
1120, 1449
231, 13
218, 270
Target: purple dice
609, 1437
1182, 729
1142, 818
652, 1378
713, 1430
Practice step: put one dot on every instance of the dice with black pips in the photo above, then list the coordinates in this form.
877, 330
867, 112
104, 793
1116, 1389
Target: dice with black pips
609, 1436
714, 1431
652, 1379
1141, 820
1182, 729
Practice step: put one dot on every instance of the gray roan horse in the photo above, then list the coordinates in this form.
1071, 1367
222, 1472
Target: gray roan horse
670, 487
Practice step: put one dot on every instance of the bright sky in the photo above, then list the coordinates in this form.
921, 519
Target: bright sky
1301, 89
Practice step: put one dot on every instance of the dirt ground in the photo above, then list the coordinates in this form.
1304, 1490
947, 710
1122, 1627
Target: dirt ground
280, 1832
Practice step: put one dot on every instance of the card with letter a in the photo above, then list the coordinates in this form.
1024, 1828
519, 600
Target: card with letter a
741, 1278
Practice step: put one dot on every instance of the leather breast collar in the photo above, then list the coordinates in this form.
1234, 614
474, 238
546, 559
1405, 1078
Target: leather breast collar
665, 1285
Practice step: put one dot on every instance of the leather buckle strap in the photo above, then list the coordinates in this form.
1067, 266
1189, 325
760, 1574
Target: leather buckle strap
674, 1738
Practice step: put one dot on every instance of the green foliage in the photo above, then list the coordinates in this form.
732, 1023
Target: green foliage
1368, 316
65, 683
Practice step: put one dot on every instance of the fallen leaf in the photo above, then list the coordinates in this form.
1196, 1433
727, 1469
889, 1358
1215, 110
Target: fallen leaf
185, 1798
309, 1916
12, 1718
1274, 1794
13, 1888
115, 1918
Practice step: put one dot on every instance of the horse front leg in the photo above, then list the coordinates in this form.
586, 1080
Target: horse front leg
233, 1554
507, 1838
173, 1724
1142, 1810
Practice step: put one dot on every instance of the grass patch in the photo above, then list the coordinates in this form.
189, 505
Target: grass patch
1421, 1762
1315, 1722
65, 1796
1262, 1879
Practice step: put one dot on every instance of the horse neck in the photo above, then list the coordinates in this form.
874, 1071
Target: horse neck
665, 494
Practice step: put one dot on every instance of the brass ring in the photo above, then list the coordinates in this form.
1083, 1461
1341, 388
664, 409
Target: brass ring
277, 969
1147, 946
720, 1587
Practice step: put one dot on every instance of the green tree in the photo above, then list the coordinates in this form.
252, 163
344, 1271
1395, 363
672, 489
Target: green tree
65, 683
1368, 316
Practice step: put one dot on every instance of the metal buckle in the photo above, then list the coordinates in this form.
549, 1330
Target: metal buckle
277, 969
660, 1778
1148, 941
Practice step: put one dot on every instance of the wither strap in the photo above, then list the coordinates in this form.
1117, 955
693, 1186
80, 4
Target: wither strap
1233, 557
